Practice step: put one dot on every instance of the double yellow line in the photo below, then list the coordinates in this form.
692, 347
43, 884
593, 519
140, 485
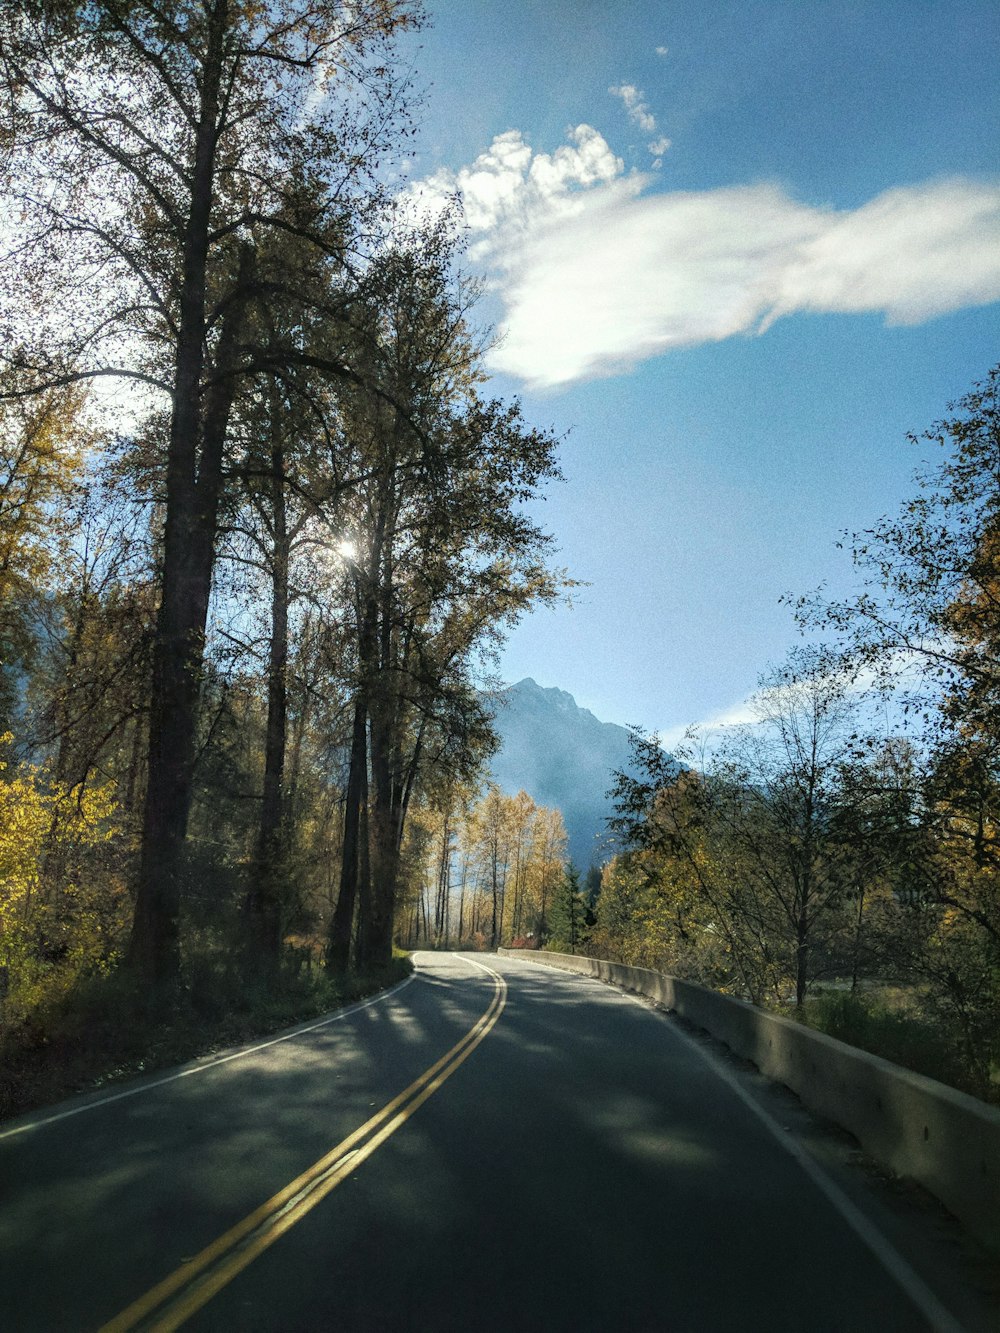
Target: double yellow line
174, 1300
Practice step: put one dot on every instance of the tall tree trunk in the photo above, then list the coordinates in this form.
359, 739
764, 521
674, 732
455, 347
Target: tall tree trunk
446, 882
495, 892
188, 548
364, 870
443, 882
264, 899
193, 485
376, 907
375, 948
461, 900
338, 949
135, 774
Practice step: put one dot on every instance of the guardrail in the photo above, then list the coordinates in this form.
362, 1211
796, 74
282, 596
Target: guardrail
945, 1139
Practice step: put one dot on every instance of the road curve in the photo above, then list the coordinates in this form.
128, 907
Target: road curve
494, 1145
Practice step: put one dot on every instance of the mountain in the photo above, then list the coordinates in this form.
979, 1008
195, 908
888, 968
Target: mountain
562, 756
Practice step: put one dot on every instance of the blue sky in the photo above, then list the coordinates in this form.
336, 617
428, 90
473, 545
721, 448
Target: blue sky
736, 250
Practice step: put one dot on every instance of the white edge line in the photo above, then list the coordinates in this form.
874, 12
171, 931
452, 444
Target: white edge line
202, 1066
937, 1315
884, 1251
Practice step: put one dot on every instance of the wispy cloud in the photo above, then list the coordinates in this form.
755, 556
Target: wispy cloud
635, 104
876, 694
597, 271
699, 734
639, 114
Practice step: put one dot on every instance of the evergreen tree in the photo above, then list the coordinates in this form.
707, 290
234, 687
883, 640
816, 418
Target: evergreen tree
568, 914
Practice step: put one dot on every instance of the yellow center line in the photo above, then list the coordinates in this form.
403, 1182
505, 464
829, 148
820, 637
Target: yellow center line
173, 1300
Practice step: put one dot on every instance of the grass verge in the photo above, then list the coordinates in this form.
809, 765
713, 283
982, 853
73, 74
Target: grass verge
103, 1031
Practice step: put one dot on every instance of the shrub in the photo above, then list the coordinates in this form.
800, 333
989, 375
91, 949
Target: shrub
906, 1038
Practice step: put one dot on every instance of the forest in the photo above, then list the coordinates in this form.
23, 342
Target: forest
838, 859
263, 530
263, 527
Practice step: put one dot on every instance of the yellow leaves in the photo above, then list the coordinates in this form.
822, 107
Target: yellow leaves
42, 449
24, 818
50, 908
950, 918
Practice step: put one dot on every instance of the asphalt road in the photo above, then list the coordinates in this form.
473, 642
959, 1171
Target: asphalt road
493, 1145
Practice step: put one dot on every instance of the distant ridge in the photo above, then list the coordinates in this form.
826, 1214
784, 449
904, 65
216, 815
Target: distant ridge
562, 756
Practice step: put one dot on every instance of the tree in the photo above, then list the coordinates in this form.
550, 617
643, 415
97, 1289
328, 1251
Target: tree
930, 599
494, 839
569, 916
781, 782
522, 813
86, 698
292, 485
79, 930
485, 854
42, 448
173, 136
758, 848
548, 854
931, 605
442, 558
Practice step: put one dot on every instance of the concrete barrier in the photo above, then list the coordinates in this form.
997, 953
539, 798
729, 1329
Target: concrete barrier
944, 1139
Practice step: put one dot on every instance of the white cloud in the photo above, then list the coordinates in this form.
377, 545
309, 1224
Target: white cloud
662, 50
659, 146
597, 271
865, 691
630, 277
701, 735
508, 189
635, 104
912, 252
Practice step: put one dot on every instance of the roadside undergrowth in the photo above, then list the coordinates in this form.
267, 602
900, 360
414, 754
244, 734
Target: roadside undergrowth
902, 1034
103, 1030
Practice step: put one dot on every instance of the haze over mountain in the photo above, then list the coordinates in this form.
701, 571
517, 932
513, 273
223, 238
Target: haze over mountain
562, 756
